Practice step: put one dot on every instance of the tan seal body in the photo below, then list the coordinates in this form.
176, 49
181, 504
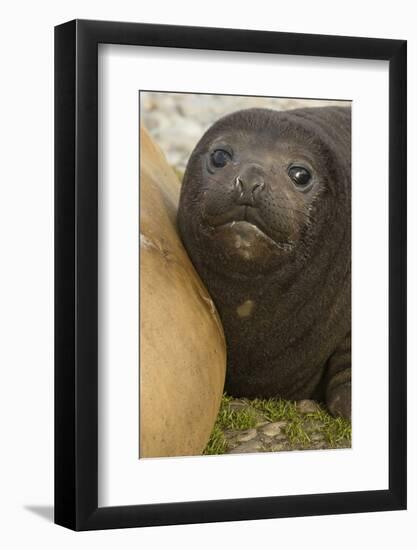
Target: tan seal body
182, 348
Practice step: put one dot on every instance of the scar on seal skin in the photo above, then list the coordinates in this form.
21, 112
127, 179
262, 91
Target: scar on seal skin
265, 215
245, 309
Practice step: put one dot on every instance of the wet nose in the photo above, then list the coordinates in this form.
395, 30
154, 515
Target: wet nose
248, 187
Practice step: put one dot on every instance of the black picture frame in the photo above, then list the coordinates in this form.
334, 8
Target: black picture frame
76, 272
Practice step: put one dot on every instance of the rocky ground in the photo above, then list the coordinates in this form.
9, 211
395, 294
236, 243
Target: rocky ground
176, 122
245, 426
275, 436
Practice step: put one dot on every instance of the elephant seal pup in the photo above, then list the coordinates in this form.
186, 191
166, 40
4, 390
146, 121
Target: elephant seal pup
265, 215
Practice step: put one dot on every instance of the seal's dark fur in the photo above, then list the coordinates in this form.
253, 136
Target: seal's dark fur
295, 344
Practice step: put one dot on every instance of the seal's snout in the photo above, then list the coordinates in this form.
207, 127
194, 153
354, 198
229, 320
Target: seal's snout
249, 184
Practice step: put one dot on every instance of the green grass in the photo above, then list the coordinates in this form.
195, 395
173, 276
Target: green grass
217, 444
228, 419
274, 410
335, 432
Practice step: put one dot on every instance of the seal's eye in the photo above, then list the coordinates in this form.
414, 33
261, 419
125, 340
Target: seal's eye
299, 175
220, 158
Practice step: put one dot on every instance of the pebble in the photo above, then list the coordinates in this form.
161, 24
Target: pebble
237, 405
261, 423
307, 406
313, 425
273, 429
278, 447
247, 435
317, 437
247, 447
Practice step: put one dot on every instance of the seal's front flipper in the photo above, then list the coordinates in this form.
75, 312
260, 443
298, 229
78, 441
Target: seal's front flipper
338, 400
339, 378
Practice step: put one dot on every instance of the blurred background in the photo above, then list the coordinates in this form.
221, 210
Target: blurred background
177, 121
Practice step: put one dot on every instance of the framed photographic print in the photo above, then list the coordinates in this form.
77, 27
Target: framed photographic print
230, 275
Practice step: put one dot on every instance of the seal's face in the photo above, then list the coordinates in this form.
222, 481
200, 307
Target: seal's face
251, 189
257, 191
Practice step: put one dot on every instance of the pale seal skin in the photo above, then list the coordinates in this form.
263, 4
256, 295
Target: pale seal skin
265, 215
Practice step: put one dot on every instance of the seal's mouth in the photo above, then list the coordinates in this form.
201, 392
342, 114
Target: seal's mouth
245, 222
243, 226
248, 218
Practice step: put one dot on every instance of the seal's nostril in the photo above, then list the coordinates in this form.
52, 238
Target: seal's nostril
247, 188
258, 186
238, 185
